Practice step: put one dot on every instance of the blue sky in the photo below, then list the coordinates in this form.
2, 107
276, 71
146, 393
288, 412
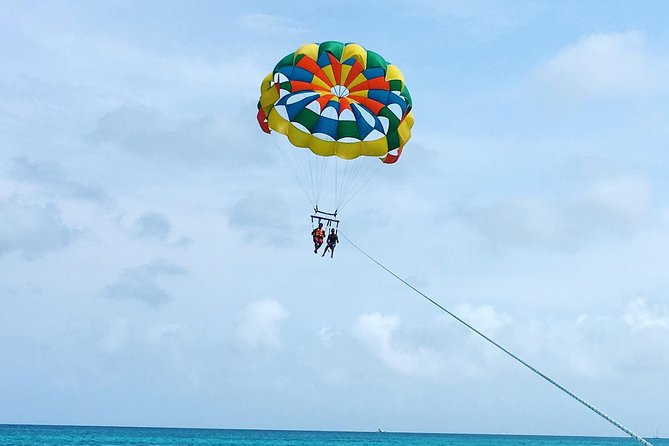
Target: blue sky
155, 262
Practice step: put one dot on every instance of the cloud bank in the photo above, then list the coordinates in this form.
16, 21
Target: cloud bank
260, 325
141, 283
32, 229
606, 65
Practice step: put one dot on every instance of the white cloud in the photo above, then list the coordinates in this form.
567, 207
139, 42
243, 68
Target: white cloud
595, 345
640, 315
627, 197
485, 19
375, 327
376, 332
164, 333
127, 66
116, 337
605, 65
222, 140
122, 334
580, 345
484, 318
525, 221
327, 334
615, 205
261, 324
269, 24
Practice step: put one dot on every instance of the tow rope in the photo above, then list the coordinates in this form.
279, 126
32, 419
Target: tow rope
500, 347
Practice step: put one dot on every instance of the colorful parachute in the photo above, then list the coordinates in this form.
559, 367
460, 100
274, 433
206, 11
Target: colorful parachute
338, 100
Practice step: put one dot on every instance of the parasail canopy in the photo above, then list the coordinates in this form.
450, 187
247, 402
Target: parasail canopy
337, 100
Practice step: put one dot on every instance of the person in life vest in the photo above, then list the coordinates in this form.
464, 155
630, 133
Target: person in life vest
318, 235
332, 242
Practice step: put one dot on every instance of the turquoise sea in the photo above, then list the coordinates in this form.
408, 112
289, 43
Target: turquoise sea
20, 435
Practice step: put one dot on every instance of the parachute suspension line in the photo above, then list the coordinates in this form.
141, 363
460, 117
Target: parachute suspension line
360, 185
325, 164
336, 192
313, 172
311, 176
304, 175
345, 178
350, 178
500, 347
290, 158
316, 170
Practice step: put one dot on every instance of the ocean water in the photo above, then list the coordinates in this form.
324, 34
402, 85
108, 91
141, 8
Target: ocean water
20, 435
